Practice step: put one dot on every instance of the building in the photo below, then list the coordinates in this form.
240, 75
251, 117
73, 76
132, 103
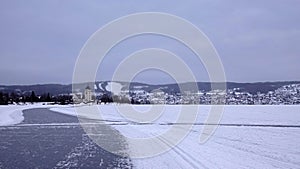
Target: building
77, 97
87, 94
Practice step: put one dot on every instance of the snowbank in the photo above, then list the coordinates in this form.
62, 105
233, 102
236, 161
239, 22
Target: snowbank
10, 115
13, 114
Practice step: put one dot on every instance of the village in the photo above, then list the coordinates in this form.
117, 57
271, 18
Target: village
287, 95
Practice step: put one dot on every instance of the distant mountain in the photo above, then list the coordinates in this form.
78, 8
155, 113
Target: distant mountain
104, 86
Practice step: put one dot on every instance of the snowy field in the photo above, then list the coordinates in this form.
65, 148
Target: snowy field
247, 137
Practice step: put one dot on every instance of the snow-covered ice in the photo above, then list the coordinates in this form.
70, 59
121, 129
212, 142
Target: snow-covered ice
247, 137
241, 114
256, 145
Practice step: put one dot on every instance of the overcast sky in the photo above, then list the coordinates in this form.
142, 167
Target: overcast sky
256, 40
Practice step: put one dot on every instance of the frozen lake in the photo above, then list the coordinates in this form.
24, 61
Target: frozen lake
245, 137
46, 139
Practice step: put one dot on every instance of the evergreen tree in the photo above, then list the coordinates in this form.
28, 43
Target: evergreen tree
13, 97
106, 99
132, 101
48, 98
33, 97
3, 99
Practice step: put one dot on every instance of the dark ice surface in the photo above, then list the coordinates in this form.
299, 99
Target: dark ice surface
34, 145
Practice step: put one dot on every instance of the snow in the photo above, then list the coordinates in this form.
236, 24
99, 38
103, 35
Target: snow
114, 87
255, 145
240, 114
66, 110
247, 137
100, 86
13, 114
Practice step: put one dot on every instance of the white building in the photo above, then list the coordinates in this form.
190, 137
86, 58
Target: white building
87, 94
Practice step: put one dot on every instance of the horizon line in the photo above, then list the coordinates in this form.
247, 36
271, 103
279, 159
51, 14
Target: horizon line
56, 83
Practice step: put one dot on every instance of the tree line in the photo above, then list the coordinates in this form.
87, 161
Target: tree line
11, 98
32, 97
